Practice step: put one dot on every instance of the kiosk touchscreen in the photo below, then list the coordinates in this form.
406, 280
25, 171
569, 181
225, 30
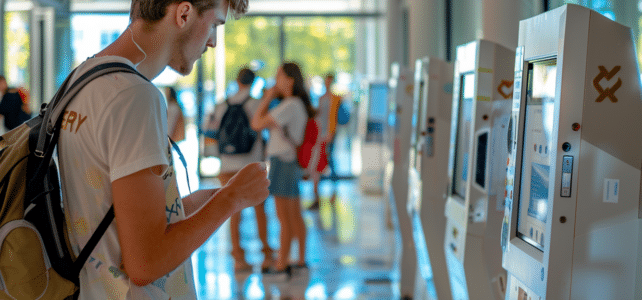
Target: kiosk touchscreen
483, 82
374, 149
428, 157
571, 226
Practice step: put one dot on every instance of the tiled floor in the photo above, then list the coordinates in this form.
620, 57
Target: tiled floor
350, 252
351, 247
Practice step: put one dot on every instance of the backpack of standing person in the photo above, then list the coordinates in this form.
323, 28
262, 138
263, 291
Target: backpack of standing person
343, 114
36, 259
235, 135
305, 150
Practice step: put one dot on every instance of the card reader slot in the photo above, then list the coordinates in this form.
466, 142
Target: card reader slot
482, 151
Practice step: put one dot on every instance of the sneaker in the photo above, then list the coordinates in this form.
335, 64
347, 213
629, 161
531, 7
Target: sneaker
299, 269
266, 265
281, 276
314, 206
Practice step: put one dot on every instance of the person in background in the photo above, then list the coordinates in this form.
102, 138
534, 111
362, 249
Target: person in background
12, 106
114, 151
232, 163
327, 119
286, 123
175, 116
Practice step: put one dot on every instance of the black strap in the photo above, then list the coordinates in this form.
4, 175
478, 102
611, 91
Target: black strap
93, 241
182, 158
227, 101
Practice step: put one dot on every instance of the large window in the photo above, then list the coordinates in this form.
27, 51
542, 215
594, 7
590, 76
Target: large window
321, 44
253, 42
16, 41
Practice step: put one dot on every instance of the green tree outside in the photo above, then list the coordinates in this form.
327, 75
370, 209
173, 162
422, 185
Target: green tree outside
16, 41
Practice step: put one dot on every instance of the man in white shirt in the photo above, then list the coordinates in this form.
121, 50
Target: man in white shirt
113, 149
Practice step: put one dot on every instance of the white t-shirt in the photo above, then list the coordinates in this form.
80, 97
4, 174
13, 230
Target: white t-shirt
233, 163
291, 116
116, 126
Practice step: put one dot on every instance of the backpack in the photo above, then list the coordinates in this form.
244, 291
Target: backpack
235, 136
343, 114
304, 151
36, 259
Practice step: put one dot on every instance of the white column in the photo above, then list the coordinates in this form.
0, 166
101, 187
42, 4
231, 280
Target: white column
500, 21
427, 29
466, 23
395, 31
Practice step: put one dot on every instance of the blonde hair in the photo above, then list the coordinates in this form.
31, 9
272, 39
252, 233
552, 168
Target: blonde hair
154, 10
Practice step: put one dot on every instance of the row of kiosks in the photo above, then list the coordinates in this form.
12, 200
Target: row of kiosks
571, 223
428, 157
483, 87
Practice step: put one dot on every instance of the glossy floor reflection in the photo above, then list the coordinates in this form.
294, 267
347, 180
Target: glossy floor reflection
351, 246
350, 252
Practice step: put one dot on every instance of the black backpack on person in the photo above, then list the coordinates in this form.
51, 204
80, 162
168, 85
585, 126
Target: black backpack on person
235, 135
36, 259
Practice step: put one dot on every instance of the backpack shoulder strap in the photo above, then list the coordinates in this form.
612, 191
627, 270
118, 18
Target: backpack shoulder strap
56, 107
93, 240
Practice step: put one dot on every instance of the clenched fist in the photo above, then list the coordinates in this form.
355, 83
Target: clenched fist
249, 187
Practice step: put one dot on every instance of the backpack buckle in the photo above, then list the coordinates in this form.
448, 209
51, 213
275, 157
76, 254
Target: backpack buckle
39, 154
43, 109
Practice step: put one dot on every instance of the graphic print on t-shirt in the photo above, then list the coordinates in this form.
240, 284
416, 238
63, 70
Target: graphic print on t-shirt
71, 118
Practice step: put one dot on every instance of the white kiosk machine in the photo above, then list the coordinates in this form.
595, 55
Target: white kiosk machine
483, 82
372, 126
404, 111
430, 141
573, 189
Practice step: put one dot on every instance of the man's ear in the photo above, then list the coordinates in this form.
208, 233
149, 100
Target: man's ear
184, 13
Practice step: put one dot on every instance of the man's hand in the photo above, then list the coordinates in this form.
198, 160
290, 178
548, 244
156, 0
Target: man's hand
249, 187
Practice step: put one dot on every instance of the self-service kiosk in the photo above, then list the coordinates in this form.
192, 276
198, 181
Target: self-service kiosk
571, 222
483, 81
402, 89
430, 141
375, 152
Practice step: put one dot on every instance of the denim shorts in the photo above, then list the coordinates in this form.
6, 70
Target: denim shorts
284, 178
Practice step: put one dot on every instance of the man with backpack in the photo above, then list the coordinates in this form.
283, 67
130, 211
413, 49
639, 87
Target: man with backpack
240, 145
114, 156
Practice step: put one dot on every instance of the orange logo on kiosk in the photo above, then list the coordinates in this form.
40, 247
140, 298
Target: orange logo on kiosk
607, 92
505, 90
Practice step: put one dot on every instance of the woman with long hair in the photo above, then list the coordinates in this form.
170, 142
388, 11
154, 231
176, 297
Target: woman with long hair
286, 123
